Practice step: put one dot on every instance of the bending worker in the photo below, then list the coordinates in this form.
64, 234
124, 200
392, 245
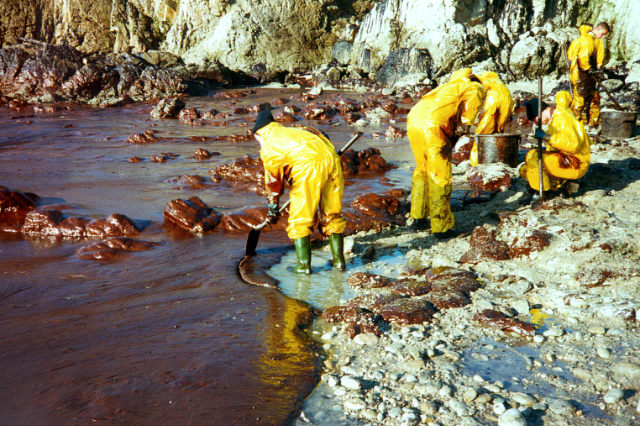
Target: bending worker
432, 127
306, 159
568, 150
497, 109
586, 56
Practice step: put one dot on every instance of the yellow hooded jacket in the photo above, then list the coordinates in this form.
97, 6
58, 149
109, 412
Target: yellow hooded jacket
568, 149
431, 124
307, 159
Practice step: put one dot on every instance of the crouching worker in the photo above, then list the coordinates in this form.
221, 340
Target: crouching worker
432, 127
306, 159
568, 150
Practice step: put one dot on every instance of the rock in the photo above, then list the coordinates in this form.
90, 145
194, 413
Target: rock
167, 108
485, 246
366, 280
561, 407
14, 207
524, 399
366, 339
350, 383
495, 319
613, 396
512, 417
380, 209
191, 215
530, 241
246, 172
626, 370
112, 248
408, 311
367, 162
492, 177
553, 332
355, 404
143, 138
469, 395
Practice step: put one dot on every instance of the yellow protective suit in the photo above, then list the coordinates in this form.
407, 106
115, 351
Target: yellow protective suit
431, 125
585, 54
307, 160
497, 109
568, 150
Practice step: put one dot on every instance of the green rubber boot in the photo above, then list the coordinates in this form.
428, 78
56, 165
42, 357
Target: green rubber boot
303, 253
336, 242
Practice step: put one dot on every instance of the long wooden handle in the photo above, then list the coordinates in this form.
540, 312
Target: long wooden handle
540, 179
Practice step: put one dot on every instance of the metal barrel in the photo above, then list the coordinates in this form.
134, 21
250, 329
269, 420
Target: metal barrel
499, 147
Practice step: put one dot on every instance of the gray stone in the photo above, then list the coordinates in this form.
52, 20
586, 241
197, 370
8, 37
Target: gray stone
350, 383
613, 396
355, 404
524, 399
561, 407
341, 52
512, 417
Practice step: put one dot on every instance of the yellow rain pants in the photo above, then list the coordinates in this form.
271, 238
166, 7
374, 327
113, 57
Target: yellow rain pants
497, 109
307, 159
568, 150
585, 54
431, 124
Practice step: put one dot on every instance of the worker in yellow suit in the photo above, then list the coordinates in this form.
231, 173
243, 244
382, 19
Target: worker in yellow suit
586, 56
306, 159
568, 150
432, 127
497, 109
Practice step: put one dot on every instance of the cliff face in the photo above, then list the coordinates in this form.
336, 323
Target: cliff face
387, 39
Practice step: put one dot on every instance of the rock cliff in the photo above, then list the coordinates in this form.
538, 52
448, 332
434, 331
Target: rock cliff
389, 41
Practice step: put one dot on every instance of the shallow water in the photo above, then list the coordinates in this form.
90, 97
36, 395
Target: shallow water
170, 335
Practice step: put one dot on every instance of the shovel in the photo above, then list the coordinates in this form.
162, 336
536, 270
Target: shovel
254, 234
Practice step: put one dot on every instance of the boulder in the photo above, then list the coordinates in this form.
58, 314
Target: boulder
191, 215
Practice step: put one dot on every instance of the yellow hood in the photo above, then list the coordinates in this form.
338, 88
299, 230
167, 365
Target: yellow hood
584, 29
563, 100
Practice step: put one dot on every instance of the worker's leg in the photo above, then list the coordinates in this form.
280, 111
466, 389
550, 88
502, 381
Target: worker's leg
332, 220
419, 180
594, 110
440, 181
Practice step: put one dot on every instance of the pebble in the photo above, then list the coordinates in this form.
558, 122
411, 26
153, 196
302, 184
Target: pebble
614, 396
520, 287
355, 404
561, 407
538, 338
638, 407
512, 417
469, 395
445, 391
366, 339
478, 378
553, 332
603, 352
332, 381
484, 398
395, 348
499, 407
597, 330
524, 399
350, 383
459, 407
395, 412
521, 305
493, 388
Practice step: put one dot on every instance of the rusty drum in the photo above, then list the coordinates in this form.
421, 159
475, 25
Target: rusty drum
500, 147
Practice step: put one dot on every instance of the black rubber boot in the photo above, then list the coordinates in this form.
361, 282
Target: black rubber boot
420, 224
336, 242
303, 253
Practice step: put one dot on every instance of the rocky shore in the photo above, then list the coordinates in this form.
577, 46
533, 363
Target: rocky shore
549, 336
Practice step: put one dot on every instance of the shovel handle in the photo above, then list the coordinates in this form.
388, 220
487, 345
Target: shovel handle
540, 178
285, 205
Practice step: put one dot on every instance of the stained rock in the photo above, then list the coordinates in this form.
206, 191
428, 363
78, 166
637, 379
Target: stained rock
247, 171
135, 159
112, 248
498, 320
190, 181
532, 240
493, 177
365, 162
448, 298
394, 132
191, 215
114, 225
408, 311
357, 320
245, 219
14, 206
190, 116
318, 112
372, 302
409, 287
167, 108
366, 280
52, 223
143, 138
203, 154
387, 208
284, 117
241, 137
485, 246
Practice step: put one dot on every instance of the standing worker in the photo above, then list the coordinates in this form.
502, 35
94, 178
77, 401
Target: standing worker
432, 127
568, 150
306, 159
497, 109
586, 56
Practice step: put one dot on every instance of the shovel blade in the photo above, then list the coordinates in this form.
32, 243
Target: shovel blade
252, 242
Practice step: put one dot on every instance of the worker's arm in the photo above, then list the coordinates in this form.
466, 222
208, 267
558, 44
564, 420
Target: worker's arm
274, 184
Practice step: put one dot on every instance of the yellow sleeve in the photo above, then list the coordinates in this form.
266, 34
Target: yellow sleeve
599, 53
585, 50
563, 136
